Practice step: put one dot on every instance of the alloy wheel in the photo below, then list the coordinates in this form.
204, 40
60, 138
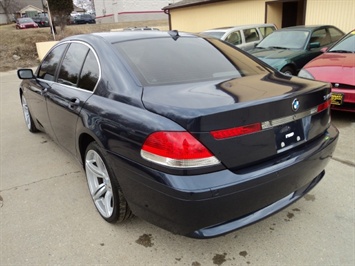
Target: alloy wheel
99, 183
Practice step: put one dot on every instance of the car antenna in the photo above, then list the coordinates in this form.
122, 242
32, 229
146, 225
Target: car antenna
174, 34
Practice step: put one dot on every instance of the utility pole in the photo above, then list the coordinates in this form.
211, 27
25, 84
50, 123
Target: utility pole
50, 19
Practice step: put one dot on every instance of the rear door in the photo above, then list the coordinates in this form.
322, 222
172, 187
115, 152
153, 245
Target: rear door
77, 78
251, 38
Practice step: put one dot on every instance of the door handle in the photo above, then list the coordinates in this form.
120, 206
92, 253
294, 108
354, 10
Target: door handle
74, 102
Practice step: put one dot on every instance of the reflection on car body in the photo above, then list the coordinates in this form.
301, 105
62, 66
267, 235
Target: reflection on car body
244, 37
182, 130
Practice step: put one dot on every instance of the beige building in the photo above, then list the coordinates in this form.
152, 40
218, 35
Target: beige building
197, 15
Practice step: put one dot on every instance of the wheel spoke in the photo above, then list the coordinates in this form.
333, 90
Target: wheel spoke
108, 203
26, 112
99, 191
91, 166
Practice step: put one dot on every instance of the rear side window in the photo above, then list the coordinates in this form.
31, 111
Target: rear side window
335, 34
72, 64
251, 35
90, 73
188, 59
50, 63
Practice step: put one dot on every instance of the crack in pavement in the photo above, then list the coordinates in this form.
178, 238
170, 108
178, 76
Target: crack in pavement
38, 181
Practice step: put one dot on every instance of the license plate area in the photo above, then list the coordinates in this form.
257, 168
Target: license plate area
287, 135
337, 98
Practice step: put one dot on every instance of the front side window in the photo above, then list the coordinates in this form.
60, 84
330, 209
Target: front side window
50, 63
320, 36
265, 31
73, 61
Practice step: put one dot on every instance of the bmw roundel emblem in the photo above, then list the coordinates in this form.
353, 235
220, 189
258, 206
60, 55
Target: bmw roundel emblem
295, 104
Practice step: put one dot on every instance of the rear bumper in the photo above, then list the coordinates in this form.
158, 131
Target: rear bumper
214, 204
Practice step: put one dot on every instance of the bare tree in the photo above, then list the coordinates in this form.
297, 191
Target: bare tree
61, 10
9, 7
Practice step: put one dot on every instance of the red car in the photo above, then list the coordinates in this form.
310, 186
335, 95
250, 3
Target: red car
25, 23
337, 66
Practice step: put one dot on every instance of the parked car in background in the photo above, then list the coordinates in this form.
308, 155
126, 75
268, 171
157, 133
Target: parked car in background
198, 145
289, 49
337, 66
244, 37
84, 19
25, 23
41, 20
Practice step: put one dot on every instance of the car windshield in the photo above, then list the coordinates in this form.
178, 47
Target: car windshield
347, 45
216, 34
285, 40
25, 20
161, 61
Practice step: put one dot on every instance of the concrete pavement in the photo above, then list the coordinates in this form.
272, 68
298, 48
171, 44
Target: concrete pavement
47, 216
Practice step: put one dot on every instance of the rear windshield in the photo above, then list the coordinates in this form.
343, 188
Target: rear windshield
159, 61
216, 34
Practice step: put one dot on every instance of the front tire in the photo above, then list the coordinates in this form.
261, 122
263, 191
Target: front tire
27, 115
288, 71
103, 186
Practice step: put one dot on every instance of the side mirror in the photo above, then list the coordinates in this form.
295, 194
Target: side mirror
25, 74
314, 45
324, 49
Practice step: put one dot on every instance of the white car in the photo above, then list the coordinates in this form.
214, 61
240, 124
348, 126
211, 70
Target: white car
244, 37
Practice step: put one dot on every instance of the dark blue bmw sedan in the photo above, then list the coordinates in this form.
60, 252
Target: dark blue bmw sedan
184, 131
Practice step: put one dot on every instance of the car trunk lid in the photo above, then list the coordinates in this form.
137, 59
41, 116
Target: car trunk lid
287, 112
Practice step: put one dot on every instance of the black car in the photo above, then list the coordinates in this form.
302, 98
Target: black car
84, 19
42, 21
184, 131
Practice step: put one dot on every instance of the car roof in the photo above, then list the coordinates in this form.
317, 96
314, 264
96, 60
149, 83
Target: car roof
240, 27
113, 37
305, 27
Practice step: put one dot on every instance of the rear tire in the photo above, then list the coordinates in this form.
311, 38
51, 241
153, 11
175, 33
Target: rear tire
103, 186
27, 115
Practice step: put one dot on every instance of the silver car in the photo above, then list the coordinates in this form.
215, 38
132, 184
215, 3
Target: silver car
244, 37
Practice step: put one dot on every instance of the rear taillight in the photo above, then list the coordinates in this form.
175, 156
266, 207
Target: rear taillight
236, 131
323, 106
176, 149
